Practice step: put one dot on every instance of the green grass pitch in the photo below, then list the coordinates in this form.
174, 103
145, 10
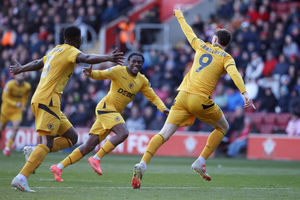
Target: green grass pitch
166, 178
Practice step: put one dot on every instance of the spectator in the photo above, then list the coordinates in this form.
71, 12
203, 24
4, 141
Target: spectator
240, 142
110, 12
255, 67
290, 47
135, 122
158, 122
269, 64
282, 66
293, 127
234, 100
267, 101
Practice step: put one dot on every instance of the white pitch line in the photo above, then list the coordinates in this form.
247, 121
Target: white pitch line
155, 188
246, 188
120, 187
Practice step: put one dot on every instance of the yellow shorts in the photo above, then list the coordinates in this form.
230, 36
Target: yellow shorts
104, 122
50, 119
188, 106
10, 115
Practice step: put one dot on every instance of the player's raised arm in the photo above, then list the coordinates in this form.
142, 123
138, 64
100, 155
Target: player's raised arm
187, 30
116, 57
35, 65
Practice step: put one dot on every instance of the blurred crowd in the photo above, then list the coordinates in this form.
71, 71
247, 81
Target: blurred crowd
265, 46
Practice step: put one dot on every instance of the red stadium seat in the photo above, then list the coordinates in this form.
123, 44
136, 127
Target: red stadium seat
266, 128
270, 118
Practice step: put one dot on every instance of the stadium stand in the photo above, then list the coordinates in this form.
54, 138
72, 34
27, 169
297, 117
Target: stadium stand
258, 27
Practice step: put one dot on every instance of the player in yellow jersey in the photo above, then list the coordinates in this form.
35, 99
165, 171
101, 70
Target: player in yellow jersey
14, 100
54, 129
194, 98
126, 82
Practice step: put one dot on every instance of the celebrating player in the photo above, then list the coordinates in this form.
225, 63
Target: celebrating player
126, 82
14, 100
54, 129
194, 98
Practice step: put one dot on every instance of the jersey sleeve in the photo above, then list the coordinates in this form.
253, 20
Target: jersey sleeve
194, 41
148, 92
232, 71
72, 54
109, 73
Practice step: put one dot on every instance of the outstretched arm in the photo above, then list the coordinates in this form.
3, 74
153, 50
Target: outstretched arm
148, 92
238, 81
35, 65
116, 57
99, 74
187, 30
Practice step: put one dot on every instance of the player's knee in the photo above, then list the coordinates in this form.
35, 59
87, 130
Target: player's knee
225, 127
124, 134
74, 139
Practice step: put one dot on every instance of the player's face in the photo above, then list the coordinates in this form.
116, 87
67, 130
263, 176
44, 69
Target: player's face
135, 64
19, 78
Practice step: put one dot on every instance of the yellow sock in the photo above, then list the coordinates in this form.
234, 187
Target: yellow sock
60, 143
213, 140
9, 143
155, 142
105, 149
72, 158
35, 159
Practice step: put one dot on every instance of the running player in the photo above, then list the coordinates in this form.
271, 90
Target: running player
126, 82
54, 129
194, 98
14, 100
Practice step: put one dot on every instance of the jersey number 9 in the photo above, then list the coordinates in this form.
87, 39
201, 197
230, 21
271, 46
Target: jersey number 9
202, 63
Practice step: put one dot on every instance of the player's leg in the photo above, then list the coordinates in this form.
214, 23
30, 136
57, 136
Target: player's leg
121, 133
212, 115
75, 156
47, 122
155, 143
34, 161
3, 123
15, 128
178, 116
67, 135
107, 122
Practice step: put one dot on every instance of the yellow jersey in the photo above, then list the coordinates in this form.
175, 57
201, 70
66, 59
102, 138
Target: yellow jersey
14, 94
210, 63
123, 88
59, 65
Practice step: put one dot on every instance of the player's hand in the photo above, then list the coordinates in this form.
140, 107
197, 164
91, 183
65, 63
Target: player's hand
88, 70
247, 101
117, 57
166, 111
16, 68
178, 12
18, 104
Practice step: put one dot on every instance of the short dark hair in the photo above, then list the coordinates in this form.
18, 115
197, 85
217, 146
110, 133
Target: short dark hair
72, 32
224, 37
136, 54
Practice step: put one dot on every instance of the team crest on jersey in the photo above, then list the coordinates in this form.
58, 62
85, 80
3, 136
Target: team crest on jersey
130, 85
117, 119
50, 126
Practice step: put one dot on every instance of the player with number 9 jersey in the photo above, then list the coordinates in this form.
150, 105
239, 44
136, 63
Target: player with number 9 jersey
194, 98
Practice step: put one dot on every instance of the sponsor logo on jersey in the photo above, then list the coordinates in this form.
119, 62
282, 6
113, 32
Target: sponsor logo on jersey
126, 93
